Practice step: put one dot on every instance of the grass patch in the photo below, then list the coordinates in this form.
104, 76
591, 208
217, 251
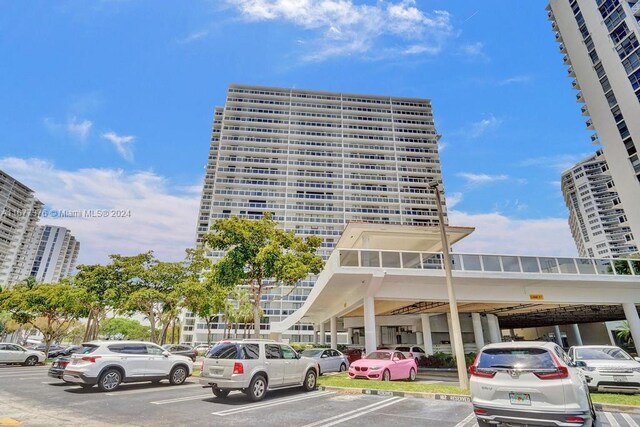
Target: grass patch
342, 380
196, 372
616, 399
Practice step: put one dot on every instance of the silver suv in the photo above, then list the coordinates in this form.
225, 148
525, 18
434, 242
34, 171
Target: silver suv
255, 366
109, 363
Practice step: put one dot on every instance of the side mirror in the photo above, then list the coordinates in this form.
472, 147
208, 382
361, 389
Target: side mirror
395, 359
637, 359
166, 353
324, 356
298, 355
581, 364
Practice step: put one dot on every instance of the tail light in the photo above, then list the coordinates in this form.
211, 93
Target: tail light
91, 359
574, 419
559, 373
238, 368
479, 411
64, 363
473, 369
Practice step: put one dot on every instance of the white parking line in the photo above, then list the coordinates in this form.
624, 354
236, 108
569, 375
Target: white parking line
631, 421
182, 399
337, 419
609, 416
270, 403
466, 420
22, 375
151, 390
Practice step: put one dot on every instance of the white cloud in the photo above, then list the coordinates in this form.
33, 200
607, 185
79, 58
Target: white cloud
479, 128
195, 36
499, 234
515, 80
77, 129
475, 180
559, 162
162, 218
341, 27
474, 51
122, 143
453, 199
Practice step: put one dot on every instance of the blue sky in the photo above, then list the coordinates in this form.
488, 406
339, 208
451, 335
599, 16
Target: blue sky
108, 104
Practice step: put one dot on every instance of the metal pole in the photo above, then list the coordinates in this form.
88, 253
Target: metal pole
453, 305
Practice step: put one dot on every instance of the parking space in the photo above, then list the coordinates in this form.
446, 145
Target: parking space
28, 396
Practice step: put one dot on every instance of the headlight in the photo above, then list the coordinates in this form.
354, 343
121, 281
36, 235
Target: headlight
589, 368
373, 368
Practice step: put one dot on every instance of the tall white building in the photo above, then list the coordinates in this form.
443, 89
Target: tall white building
52, 254
316, 160
19, 214
598, 222
600, 40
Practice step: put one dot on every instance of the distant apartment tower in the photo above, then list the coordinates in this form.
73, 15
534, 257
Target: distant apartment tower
598, 222
19, 214
600, 40
52, 255
317, 160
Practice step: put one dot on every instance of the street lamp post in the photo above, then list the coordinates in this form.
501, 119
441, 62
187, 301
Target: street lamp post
457, 342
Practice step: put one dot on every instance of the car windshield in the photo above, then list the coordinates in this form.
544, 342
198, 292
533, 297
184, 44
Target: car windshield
167, 346
312, 353
604, 353
224, 351
516, 358
379, 355
403, 349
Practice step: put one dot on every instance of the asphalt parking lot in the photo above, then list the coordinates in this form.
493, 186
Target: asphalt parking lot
29, 398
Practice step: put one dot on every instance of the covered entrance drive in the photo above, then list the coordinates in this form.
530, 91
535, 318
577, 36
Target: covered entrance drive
392, 277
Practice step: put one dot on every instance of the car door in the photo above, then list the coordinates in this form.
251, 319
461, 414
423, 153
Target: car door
15, 354
133, 358
292, 365
402, 366
158, 365
4, 353
336, 360
274, 364
325, 361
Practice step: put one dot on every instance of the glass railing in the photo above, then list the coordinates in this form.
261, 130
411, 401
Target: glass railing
489, 263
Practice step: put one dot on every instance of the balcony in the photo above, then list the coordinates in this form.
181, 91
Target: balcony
579, 97
572, 73
562, 48
635, 9
595, 140
589, 124
585, 112
566, 60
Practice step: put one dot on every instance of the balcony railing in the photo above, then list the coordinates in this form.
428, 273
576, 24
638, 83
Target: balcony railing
489, 263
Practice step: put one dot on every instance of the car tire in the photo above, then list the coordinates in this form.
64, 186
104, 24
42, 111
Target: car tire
31, 361
386, 375
310, 380
257, 388
412, 375
343, 367
110, 380
218, 392
178, 375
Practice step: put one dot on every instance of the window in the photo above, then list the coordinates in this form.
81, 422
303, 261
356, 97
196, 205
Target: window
398, 355
272, 351
524, 358
154, 350
619, 33
288, 352
627, 46
251, 351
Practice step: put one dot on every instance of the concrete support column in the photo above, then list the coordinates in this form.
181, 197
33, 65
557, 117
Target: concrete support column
334, 332
450, 330
477, 330
315, 334
558, 335
631, 313
576, 334
349, 335
323, 336
494, 328
426, 334
419, 339
379, 340
370, 330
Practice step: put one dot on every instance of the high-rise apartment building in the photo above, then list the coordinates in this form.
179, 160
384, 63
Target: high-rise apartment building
52, 254
597, 220
600, 40
19, 214
316, 160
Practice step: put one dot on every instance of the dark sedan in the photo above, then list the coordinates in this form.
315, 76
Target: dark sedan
54, 350
57, 367
182, 350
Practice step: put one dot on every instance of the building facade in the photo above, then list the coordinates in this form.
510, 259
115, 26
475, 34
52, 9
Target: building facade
600, 40
52, 254
19, 214
598, 222
316, 160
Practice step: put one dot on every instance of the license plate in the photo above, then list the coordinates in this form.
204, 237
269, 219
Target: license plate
217, 371
620, 379
520, 399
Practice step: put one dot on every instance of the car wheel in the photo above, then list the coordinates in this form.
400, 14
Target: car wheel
386, 375
257, 388
310, 380
31, 361
343, 367
178, 375
412, 375
110, 380
217, 392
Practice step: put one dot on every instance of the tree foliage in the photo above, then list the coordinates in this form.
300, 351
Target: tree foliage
123, 329
259, 256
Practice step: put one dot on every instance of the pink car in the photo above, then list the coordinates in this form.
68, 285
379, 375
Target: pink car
384, 365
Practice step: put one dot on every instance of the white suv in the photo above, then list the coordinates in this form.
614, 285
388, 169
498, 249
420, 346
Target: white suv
529, 383
607, 368
109, 363
255, 366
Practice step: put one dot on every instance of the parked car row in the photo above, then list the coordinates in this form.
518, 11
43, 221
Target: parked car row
14, 353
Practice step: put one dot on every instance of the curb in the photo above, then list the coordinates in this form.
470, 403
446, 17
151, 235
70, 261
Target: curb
458, 397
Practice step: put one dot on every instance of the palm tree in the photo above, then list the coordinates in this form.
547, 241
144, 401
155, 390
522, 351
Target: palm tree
624, 333
244, 310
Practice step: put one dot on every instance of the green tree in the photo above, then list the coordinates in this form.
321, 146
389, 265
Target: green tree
203, 298
101, 285
122, 328
624, 333
260, 256
49, 308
